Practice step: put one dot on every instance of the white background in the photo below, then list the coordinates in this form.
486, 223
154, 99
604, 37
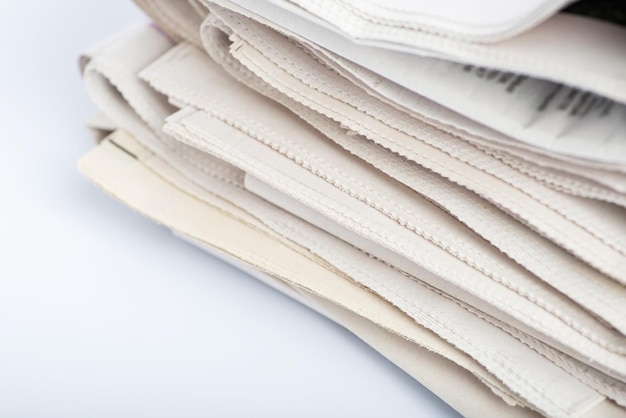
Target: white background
105, 314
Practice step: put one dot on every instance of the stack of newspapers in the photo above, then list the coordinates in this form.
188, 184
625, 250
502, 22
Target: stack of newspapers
446, 179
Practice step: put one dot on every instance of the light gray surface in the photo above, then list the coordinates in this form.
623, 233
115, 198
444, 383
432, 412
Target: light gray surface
103, 313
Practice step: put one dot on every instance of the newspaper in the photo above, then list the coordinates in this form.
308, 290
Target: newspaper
465, 226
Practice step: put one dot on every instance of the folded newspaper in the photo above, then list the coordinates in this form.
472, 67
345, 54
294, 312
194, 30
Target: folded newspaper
447, 180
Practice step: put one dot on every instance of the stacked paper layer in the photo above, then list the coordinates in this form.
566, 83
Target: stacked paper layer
449, 186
